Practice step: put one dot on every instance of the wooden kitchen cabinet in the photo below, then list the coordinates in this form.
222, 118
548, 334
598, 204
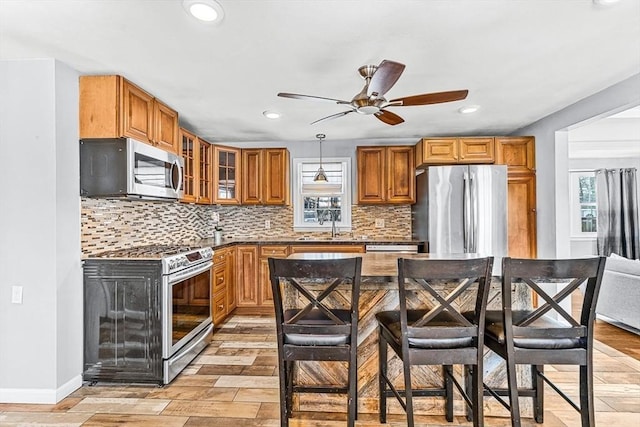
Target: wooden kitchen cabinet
247, 276
265, 295
226, 175
386, 174
455, 150
197, 171
231, 279
223, 284
113, 107
265, 176
518, 153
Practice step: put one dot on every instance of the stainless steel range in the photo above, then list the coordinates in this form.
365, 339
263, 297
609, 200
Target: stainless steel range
147, 312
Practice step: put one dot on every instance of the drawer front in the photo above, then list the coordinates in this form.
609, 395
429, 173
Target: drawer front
219, 276
274, 251
219, 307
219, 257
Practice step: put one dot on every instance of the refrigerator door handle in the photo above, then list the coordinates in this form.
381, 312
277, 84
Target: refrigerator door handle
466, 212
473, 198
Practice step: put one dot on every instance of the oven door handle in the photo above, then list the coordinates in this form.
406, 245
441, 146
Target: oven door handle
188, 273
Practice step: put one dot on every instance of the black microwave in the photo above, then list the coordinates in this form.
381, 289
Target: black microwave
124, 167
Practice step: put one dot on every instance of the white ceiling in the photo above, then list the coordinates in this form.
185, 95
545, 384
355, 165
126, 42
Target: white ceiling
520, 59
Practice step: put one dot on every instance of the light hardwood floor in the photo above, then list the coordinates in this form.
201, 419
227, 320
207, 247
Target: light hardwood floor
234, 383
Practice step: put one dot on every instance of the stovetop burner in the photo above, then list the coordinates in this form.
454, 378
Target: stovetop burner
174, 258
151, 251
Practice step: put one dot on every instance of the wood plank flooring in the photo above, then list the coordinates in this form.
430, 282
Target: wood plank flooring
234, 382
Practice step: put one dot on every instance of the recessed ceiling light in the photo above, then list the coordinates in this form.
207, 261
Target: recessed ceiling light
271, 114
469, 109
605, 2
208, 11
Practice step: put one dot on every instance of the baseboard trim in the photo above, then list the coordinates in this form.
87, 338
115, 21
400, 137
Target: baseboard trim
37, 395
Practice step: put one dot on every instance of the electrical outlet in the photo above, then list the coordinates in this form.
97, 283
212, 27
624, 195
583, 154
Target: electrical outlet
267, 224
380, 223
16, 294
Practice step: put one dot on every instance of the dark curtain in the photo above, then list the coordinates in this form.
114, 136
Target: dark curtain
617, 199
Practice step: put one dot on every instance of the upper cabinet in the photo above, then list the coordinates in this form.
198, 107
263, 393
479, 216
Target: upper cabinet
113, 107
517, 152
265, 176
197, 154
386, 174
226, 175
455, 150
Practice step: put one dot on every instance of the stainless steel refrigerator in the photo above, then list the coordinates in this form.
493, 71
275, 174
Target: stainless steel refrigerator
462, 209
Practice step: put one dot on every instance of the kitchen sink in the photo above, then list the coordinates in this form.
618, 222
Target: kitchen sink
325, 239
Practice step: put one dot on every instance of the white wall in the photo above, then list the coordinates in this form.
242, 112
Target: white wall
40, 339
552, 160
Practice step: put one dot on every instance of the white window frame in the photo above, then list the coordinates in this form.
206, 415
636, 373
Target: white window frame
298, 198
575, 216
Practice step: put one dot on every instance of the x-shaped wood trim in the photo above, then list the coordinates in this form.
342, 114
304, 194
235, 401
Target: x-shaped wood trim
445, 304
315, 302
551, 303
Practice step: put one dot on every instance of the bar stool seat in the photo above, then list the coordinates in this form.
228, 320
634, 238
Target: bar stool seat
495, 330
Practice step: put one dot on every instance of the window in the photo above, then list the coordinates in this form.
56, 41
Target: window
317, 205
584, 210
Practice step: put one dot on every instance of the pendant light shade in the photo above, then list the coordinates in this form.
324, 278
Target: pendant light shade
320, 175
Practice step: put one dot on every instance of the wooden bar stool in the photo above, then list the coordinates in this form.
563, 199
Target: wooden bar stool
429, 329
536, 338
316, 320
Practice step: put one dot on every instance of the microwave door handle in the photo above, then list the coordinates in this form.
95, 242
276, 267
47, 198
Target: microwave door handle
178, 187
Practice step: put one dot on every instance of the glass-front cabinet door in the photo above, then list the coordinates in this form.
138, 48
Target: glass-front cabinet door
205, 171
226, 175
188, 153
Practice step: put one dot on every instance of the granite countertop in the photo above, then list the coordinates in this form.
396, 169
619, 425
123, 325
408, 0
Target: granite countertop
380, 264
301, 241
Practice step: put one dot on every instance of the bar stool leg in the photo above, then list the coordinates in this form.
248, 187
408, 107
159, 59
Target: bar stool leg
513, 391
447, 371
538, 400
586, 395
408, 394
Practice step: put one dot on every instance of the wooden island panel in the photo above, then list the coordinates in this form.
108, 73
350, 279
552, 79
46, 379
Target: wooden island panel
378, 292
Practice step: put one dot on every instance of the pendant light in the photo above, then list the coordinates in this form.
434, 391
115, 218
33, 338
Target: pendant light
320, 175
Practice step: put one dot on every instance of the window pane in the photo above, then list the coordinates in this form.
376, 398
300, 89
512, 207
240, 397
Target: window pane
587, 186
320, 209
588, 213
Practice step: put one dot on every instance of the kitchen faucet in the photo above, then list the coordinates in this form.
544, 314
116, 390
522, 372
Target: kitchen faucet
334, 232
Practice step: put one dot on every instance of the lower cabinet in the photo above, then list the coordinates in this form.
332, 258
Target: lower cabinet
223, 291
247, 275
271, 251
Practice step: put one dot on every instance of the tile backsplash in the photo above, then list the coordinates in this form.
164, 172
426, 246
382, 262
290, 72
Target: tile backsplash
109, 224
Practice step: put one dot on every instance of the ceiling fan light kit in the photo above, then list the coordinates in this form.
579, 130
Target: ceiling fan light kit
371, 101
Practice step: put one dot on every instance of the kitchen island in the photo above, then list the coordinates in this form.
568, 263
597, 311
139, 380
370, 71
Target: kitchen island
378, 292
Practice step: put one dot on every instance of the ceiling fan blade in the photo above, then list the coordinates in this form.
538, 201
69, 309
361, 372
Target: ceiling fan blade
385, 77
388, 117
431, 98
333, 116
311, 98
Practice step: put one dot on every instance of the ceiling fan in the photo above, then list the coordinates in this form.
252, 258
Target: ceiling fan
370, 100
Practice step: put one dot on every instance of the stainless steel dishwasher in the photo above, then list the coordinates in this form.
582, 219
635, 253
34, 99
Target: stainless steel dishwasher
390, 248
